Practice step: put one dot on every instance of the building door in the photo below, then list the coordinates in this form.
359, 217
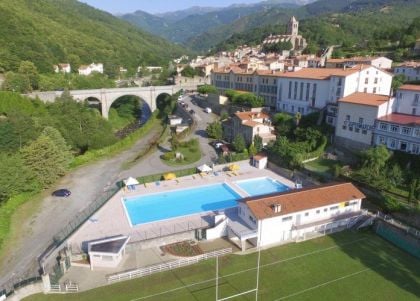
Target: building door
298, 219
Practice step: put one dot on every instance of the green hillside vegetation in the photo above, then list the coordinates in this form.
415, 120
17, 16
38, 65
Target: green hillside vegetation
179, 30
393, 30
322, 23
48, 32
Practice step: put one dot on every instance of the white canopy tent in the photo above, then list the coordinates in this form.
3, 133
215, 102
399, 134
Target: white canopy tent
204, 168
131, 181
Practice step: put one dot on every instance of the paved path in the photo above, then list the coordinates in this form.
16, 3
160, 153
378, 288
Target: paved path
152, 164
87, 183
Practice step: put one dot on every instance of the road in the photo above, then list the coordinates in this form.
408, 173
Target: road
87, 184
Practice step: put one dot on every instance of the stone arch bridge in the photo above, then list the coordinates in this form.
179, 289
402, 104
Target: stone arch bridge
106, 97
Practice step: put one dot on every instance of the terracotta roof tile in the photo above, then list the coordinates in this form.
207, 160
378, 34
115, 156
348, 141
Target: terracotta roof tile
366, 99
403, 119
303, 199
410, 87
251, 115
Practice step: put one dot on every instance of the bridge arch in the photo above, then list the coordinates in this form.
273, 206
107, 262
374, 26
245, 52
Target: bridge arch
144, 108
94, 102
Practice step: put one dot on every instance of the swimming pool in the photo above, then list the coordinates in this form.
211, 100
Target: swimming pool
261, 186
160, 206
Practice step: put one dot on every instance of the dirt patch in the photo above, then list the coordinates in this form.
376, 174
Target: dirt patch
186, 248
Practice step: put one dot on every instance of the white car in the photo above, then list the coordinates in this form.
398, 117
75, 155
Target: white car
207, 110
180, 97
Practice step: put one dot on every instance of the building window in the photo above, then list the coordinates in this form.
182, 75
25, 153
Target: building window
348, 117
295, 90
287, 218
330, 120
403, 146
374, 90
293, 109
344, 127
306, 213
376, 80
366, 80
252, 219
350, 128
308, 85
381, 140
406, 130
365, 90
383, 126
314, 91
340, 81
334, 208
357, 130
325, 209
417, 133
318, 211
413, 111
290, 90
360, 120
395, 128
364, 132
416, 99
393, 143
301, 91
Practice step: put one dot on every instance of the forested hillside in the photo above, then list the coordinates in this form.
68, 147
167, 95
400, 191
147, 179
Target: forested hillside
48, 32
180, 29
325, 22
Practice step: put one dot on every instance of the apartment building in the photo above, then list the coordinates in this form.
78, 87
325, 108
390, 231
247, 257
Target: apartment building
306, 90
400, 130
380, 62
411, 70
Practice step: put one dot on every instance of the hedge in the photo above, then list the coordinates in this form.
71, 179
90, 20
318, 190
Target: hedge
159, 176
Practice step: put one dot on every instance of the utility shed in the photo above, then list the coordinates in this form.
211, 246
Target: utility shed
107, 252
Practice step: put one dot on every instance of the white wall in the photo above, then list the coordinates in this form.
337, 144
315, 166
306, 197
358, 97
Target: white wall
275, 230
220, 230
406, 101
368, 113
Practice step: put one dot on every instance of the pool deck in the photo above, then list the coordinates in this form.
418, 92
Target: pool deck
112, 218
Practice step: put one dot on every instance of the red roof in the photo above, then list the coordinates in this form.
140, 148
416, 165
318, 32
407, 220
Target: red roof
302, 199
403, 119
410, 87
366, 99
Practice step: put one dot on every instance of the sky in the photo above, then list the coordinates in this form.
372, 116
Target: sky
157, 6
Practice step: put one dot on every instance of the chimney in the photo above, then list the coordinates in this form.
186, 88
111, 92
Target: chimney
276, 208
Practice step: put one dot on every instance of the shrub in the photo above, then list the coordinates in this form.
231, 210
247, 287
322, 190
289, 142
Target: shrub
168, 156
392, 205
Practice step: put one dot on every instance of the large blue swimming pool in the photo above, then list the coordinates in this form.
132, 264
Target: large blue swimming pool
153, 207
261, 186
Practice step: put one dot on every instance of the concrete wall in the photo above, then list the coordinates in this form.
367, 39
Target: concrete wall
26, 291
406, 102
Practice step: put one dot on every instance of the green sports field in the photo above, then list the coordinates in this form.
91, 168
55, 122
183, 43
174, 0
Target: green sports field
343, 266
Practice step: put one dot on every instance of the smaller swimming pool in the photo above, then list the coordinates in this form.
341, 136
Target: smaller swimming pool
261, 186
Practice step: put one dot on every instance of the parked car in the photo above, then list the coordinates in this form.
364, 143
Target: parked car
207, 110
62, 193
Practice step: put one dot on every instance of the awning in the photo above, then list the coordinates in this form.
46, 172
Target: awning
233, 167
204, 168
169, 176
131, 181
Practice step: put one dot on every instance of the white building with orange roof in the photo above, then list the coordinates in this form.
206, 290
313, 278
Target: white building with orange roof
298, 214
306, 90
380, 62
357, 114
249, 125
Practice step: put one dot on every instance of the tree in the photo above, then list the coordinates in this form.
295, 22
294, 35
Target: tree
239, 143
207, 89
375, 158
174, 142
188, 71
45, 159
398, 81
258, 143
29, 70
59, 141
215, 130
16, 82
252, 150
16, 177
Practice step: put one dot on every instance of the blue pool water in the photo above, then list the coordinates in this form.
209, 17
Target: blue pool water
170, 204
261, 186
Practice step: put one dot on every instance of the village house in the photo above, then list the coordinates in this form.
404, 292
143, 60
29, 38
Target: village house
249, 125
411, 70
63, 68
89, 69
380, 62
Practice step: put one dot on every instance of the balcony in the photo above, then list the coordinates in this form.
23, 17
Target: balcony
336, 218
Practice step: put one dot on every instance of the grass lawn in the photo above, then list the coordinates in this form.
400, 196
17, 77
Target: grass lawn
321, 165
191, 154
344, 266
